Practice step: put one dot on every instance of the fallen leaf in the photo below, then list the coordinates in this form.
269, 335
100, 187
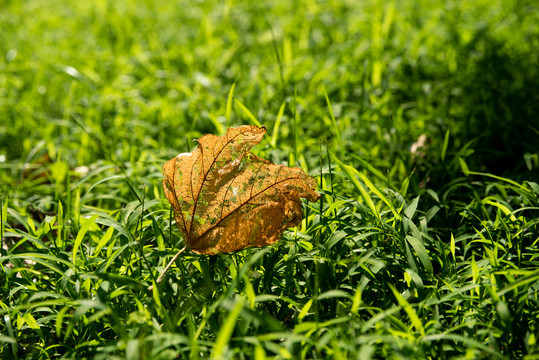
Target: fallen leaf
226, 199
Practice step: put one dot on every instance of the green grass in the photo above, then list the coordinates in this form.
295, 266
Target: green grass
411, 253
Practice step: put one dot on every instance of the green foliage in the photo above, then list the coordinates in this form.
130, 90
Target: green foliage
418, 119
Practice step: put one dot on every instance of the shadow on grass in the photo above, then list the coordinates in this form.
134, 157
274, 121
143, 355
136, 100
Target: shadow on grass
499, 105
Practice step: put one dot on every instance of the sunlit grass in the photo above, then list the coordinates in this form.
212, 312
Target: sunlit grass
421, 247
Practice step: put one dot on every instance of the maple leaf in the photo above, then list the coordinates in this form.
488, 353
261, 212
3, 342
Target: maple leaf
225, 198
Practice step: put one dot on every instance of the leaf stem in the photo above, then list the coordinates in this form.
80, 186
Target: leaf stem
162, 276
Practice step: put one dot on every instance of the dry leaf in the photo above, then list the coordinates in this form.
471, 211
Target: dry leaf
226, 199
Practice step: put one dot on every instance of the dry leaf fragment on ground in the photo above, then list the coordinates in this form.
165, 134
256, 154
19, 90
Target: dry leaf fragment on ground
226, 199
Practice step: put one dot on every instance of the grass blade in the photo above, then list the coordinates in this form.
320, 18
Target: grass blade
80, 236
350, 174
378, 193
414, 319
228, 110
421, 252
275, 132
225, 333
335, 127
247, 112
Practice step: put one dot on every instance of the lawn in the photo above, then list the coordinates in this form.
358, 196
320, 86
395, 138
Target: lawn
418, 120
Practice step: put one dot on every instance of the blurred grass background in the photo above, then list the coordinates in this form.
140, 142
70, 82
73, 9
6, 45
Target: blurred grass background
114, 79
437, 100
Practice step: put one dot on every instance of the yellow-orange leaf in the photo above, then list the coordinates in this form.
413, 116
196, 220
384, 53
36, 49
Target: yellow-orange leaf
226, 199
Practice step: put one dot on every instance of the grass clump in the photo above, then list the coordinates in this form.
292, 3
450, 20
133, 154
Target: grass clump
417, 119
